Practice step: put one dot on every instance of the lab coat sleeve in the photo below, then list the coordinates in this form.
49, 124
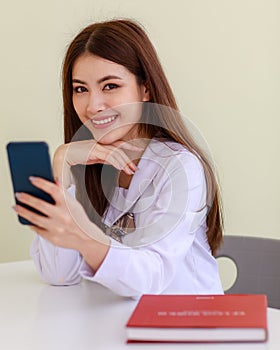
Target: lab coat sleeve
56, 265
150, 266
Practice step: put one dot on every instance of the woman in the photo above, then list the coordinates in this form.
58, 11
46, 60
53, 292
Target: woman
146, 218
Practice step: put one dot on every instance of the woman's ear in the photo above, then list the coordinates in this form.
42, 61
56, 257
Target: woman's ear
145, 93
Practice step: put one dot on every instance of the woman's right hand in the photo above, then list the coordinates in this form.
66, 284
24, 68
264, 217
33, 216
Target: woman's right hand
92, 152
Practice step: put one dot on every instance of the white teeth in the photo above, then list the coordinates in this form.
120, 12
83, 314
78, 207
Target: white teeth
104, 121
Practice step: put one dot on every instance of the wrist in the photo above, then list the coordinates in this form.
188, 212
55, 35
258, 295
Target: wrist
94, 251
60, 154
61, 168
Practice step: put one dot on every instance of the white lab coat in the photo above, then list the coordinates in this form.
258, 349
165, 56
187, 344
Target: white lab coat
168, 252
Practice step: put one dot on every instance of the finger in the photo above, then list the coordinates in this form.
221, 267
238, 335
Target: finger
127, 163
122, 162
53, 189
116, 157
128, 146
36, 203
108, 154
29, 215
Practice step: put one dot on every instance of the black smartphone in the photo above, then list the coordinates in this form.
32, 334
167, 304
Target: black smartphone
29, 159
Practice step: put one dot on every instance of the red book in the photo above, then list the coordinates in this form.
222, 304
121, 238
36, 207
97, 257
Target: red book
199, 318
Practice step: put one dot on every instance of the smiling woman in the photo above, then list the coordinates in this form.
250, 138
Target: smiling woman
145, 216
100, 85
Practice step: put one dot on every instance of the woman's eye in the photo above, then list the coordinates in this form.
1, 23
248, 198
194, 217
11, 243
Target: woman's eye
80, 89
110, 86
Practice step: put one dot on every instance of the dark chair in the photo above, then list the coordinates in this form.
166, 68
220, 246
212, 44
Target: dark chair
258, 266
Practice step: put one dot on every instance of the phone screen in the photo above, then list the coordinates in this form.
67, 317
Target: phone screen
29, 159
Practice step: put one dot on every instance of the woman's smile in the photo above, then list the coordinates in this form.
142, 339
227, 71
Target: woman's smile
104, 122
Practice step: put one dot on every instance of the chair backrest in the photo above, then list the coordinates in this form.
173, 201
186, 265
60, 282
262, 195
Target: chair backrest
258, 266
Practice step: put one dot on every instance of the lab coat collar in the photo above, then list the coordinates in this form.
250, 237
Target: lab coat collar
123, 200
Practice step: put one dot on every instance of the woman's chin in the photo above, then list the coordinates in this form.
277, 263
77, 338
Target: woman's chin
124, 133
108, 139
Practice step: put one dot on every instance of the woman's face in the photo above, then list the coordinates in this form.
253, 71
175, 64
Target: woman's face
107, 98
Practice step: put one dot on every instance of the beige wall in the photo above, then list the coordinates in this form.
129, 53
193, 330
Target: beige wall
222, 59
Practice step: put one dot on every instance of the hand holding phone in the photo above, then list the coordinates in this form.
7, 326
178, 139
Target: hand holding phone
29, 159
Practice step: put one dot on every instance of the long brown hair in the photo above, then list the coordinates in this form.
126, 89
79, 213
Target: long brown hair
126, 43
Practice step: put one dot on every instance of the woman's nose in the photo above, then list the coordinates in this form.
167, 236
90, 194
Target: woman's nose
96, 103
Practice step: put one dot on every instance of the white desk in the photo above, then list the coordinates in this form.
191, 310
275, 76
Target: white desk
36, 316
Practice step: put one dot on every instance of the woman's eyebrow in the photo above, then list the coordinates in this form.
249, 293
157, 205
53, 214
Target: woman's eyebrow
101, 80
78, 81
108, 77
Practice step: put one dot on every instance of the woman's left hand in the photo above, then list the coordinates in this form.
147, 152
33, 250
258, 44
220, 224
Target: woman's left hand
65, 223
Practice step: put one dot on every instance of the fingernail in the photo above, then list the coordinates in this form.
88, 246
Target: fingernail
135, 167
18, 195
32, 178
14, 207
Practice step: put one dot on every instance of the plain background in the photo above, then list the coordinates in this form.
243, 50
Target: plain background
222, 60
